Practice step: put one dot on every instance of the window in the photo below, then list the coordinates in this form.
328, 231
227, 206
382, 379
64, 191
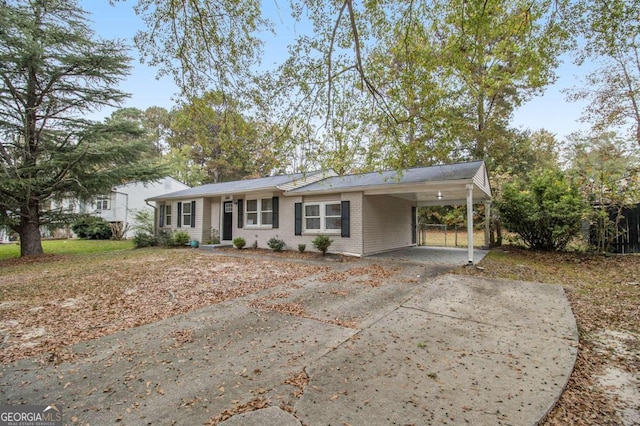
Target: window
260, 212
167, 215
186, 214
102, 202
322, 217
228, 207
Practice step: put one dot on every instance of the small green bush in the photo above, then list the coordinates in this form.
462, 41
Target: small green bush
181, 238
92, 228
275, 243
165, 238
143, 239
302, 247
322, 243
239, 242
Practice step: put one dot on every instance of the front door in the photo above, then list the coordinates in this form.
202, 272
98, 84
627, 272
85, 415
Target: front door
227, 221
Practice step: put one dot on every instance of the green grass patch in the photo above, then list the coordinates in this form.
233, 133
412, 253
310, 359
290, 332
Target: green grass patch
67, 247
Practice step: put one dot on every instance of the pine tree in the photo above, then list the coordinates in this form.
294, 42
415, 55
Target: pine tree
53, 71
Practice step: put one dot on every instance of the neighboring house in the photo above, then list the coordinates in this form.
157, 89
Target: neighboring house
364, 214
121, 203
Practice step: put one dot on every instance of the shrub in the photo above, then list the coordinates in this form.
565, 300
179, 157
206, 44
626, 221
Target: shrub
181, 238
545, 211
165, 238
322, 243
214, 236
92, 228
142, 239
302, 247
239, 242
275, 243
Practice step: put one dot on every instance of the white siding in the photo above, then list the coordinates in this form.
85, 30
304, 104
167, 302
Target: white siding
387, 223
286, 230
129, 198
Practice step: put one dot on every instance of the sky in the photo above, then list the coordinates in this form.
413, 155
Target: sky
550, 111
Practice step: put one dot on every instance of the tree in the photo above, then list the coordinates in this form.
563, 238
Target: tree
212, 135
545, 211
612, 41
607, 169
153, 123
53, 71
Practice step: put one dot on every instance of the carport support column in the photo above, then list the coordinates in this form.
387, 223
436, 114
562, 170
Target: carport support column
470, 222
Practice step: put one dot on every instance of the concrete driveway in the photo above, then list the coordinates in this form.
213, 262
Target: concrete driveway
406, 344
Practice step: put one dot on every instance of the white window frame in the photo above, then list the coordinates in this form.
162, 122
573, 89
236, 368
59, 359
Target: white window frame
167, 215
102, 201
186, 215
258, 212
322, 206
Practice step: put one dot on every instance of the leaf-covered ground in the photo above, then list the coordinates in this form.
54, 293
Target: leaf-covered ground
604, 292
51, 302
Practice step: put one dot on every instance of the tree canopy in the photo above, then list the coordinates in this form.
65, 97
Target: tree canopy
53, 70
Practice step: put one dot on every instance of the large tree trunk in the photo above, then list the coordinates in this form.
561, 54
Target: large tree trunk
30, 238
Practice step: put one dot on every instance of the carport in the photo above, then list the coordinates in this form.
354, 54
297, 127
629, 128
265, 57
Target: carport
440, 185
447, 185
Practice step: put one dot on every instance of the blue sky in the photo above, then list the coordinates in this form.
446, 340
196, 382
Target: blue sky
550, 111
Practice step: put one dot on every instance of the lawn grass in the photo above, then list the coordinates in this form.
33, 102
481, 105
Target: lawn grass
67, 247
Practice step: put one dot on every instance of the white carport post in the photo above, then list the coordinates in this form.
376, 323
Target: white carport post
470, 222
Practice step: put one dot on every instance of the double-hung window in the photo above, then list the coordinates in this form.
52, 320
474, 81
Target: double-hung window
322, 217
102, 202
186, 214
260, 212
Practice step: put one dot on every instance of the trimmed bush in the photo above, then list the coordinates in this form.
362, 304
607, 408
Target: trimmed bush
181, 238
92, 228
275, 243
302, 247
239, 242
322, 243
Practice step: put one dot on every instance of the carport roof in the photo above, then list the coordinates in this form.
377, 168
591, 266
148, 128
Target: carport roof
434, 185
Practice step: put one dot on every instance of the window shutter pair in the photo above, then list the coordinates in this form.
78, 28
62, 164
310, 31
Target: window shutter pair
275, 213
345, 219
193, 214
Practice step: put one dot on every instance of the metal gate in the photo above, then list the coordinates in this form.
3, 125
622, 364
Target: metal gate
628, 235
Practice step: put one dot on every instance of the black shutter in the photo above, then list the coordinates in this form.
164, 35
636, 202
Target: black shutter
161, 218
275, 201
193, 214
240, 213
298, 218
345, 219
179, 222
